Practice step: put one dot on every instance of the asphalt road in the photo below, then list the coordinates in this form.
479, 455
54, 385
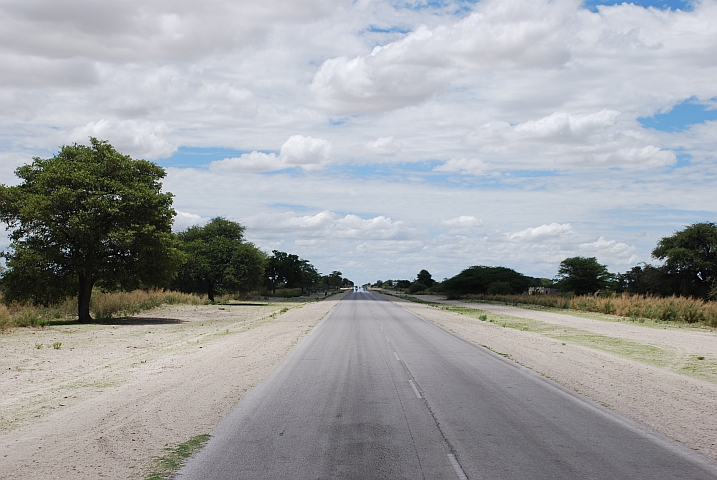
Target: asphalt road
376, 392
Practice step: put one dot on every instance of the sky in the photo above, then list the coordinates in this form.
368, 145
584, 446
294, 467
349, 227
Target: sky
382, 137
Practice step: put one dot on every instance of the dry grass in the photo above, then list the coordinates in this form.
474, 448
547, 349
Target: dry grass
103, 306
689, 310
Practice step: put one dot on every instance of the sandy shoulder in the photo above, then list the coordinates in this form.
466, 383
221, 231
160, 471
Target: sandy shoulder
677, 405
112, 397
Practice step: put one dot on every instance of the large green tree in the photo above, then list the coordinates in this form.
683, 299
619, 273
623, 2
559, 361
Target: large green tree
583, 275
87, 216
219, 260
690, 257
284, 268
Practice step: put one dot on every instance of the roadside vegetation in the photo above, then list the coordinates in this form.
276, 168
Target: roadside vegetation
634, 307
683, 289
91, 239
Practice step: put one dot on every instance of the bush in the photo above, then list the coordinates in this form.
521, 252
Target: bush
487, 280
416, 287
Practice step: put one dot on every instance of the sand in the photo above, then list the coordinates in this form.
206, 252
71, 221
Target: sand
112, 397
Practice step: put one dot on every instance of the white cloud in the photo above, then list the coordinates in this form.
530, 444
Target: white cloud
184, 220
602, 246
138, 139
503, 34
593, 139
471, 166
305, 152
328, 225
462, 221
543, 233
387, 146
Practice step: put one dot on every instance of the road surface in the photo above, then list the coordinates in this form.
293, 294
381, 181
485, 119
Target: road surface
377, 392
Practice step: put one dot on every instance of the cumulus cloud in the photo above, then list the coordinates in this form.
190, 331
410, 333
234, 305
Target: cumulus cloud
470, 166
387, 146
605, 247
591, 139
498, 34
184, 220
298, 151
327, 224
558, 127
138, 139
543, 233
307, 152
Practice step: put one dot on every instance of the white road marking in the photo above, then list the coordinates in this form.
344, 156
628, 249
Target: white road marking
457, 467
415, 390
396, 355
387, 339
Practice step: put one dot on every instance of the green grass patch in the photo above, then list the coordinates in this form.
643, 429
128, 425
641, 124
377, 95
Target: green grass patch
642, 352
702, 366
659, 356
163, 467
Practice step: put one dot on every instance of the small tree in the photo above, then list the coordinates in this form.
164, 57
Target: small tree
87, 216
690, 257
310, 277
582, 275
424, 278
218, 260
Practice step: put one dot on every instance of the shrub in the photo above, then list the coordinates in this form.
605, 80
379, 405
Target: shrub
416, 287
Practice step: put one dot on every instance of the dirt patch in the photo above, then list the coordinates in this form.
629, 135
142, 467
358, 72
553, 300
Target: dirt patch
101, 401
662, 378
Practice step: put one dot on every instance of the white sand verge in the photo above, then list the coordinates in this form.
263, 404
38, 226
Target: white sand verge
670, 398
112, 397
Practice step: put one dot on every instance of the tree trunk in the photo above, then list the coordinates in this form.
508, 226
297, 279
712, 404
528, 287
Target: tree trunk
210, 294
87, 281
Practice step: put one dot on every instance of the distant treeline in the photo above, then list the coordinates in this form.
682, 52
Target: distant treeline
689, 270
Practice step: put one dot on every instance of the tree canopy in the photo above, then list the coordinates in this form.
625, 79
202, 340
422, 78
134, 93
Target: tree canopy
424, 278
583, 275
87, 216
690, 257
218, 260
490, 280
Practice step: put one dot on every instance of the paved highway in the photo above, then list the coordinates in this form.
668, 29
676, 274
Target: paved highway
376, 392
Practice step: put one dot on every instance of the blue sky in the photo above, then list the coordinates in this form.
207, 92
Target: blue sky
681, 116
661, 4
379, 138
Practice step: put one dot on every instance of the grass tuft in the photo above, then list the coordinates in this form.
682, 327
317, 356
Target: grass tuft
163, 467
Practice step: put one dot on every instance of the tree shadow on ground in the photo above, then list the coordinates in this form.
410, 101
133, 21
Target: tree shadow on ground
119, 321
139, 321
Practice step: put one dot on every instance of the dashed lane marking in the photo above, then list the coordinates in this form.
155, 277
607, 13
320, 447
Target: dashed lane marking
415, 390
457, 467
